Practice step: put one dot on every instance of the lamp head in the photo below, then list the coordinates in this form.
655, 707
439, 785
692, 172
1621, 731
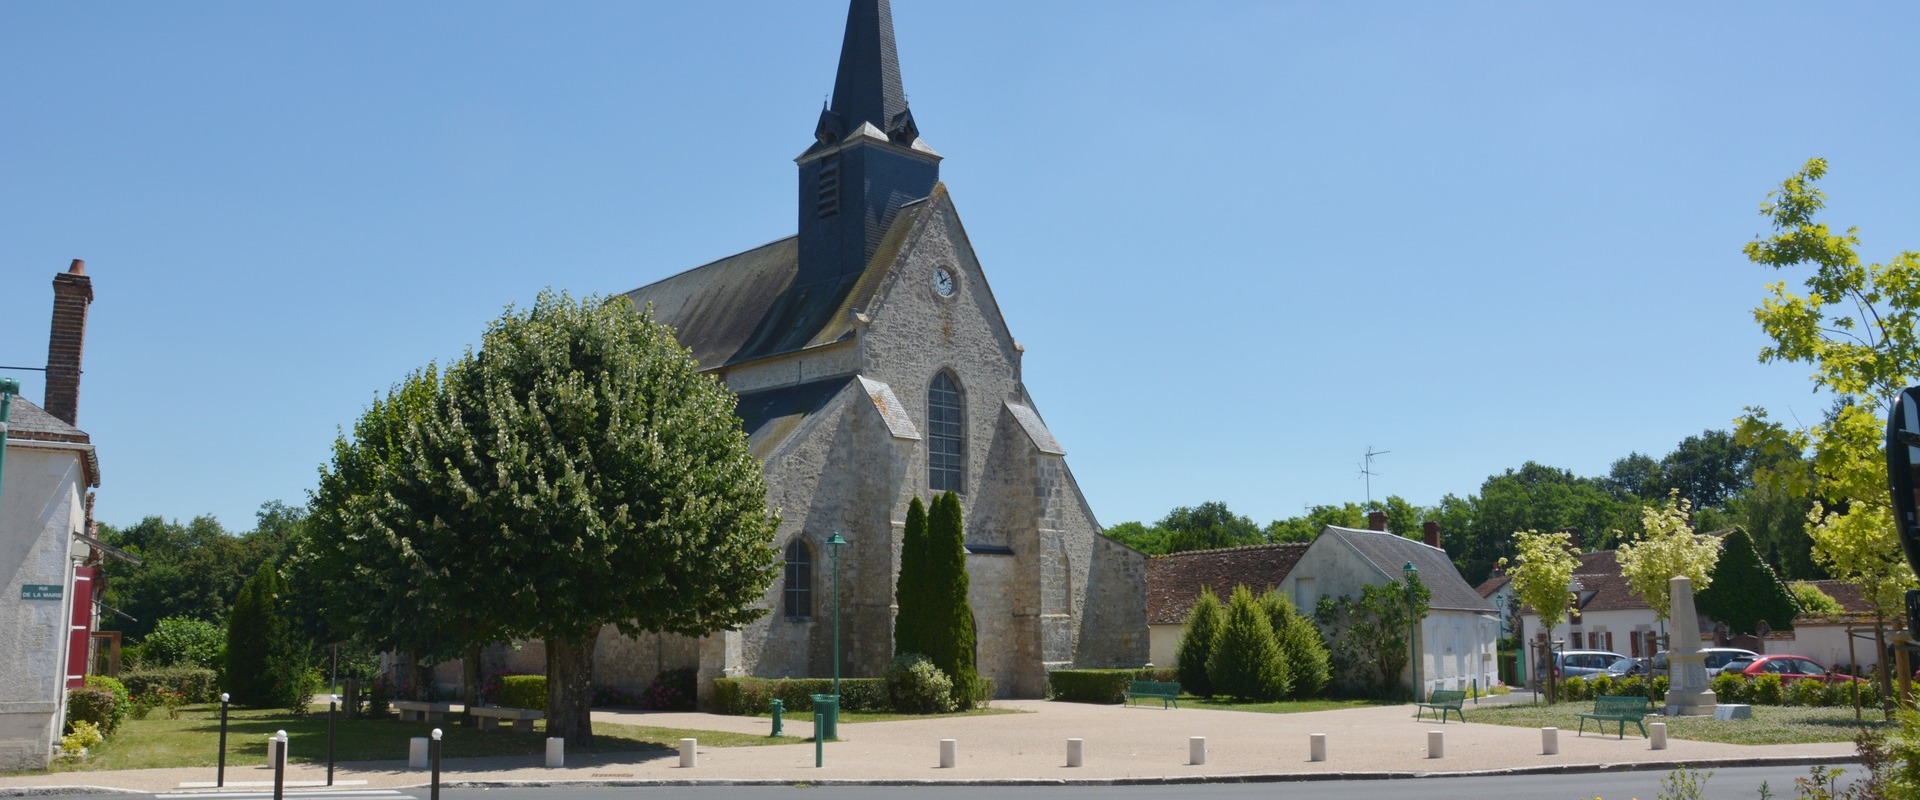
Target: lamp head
1410, 569
835, 540
9, 386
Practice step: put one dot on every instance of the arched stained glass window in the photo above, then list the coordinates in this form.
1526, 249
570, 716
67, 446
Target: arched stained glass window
799, 586
946, 437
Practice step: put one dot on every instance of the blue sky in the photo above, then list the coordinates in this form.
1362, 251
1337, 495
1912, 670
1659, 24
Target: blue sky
1241, 241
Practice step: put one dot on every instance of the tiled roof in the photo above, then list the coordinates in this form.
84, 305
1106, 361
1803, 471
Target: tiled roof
1390, 552
1174, 581
28, 421
1847, 594
1493, 584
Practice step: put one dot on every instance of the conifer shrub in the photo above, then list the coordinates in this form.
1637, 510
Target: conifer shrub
1196, 643
1744, 590
951, 644
267, 665
1245, 662
1302, 651
916, 686
914, 591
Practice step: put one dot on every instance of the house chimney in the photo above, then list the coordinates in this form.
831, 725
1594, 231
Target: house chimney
1431, 531
72, 293
1376, 520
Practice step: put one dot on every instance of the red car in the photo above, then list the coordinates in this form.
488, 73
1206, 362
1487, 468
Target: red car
1789, 668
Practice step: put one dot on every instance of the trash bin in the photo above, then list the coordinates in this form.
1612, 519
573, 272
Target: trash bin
828, 707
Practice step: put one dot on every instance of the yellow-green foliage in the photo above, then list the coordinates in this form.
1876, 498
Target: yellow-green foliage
1812, 600
1666, 548
1807, 692
1766, 690
1575, 688
85, 734
1730, 687
1542, 573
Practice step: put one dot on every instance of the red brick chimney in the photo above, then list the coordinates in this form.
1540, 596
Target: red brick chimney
72, 293
1431, 531
1376, 520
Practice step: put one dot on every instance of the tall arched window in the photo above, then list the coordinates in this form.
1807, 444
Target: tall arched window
946, 440
799, 588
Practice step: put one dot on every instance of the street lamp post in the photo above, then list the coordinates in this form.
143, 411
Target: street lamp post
834, 543
8, 388
1413, 623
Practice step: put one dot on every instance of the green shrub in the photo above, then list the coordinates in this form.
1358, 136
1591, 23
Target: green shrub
1160, 674
866, 694
1730, 687
194, 684
1601, 685
1766, 690
1843, 694
1246, 658
1660, 683
1574, 689
1196, 645
85, 734
524, 691
1630, 686
984, 690
1301, 649
183, 642
143, 705
1807, 692
122, 702
916, 686
91, 704
750, 696
1108, 686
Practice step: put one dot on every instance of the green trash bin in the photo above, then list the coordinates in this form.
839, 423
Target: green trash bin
828, 707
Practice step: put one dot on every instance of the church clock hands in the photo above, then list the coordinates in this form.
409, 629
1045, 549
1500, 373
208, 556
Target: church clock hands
943, 281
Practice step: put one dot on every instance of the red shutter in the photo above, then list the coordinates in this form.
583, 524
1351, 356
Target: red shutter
82, 631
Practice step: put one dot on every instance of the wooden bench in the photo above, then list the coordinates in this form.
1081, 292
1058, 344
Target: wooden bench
490, 717
1442, 701
1620, 709
1168, 693
412, 710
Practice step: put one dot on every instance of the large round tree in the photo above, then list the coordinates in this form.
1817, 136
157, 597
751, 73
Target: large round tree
576, 471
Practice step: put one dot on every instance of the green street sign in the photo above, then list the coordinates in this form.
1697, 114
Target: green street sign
40, 591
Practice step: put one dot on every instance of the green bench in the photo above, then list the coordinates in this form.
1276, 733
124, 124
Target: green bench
1168, 693
1442, 701
1620, 709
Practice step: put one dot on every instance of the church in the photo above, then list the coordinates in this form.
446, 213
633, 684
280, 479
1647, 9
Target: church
873, 366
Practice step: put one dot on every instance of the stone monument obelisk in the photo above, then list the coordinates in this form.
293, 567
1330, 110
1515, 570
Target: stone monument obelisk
1687, 694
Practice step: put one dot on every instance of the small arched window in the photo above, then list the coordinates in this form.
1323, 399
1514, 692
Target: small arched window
799, 586
946, 438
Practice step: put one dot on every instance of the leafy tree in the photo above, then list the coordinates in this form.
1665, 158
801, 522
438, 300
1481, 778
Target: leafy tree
1208, 526
1305, 527
1667, 549
1745, 590
913, 591
1196, 643
952, 630
1534, 497
1151, 541
1542, 573
1634, 478
1246, 661
183, 641
577, 471
1813, 601
1855, 325
1708, 469
1369, 635
1301, 651
267, 663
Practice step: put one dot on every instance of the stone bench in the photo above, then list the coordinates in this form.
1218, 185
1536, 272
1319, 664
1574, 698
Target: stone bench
413, 710
490, 717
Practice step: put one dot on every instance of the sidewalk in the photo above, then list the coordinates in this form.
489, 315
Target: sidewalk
1124, 744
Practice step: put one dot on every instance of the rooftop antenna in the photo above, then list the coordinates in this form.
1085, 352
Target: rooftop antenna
1367, 471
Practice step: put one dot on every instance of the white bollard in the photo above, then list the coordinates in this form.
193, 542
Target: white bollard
1316, 747
276, 747
1076, 752
1436, 744
689, 753
417, 752
556, 752
949, 753
1549, 741
1197, 750
1658, 735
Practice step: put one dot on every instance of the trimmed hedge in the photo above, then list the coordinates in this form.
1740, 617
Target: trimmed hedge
524, 691
196, 684
1108, 686
752, 696
91, 704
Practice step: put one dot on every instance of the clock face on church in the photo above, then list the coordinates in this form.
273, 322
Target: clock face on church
943, 281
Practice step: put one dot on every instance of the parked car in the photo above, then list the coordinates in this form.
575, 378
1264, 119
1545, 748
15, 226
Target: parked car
1789, 668
1628, 666
1584, 663
1717, 658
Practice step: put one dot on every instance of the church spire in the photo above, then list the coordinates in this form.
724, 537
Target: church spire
867, 89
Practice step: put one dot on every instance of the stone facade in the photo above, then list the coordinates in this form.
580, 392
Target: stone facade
41, 508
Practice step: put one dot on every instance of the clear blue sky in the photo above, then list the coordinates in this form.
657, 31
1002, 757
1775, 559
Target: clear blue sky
1242, 241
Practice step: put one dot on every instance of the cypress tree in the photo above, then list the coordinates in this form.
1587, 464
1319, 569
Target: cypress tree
1301, 650
1744, 590
1196, 643
1246, 657
951, 633
911, 590
266, 663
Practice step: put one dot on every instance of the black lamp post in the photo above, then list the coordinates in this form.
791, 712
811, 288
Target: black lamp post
1413, 646
834, 543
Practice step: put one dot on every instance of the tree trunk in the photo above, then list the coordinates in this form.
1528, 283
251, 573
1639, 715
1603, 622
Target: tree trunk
470, 681
570, 689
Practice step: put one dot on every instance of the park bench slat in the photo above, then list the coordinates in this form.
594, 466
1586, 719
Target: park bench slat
1616, 708
1442, 701
1168, 693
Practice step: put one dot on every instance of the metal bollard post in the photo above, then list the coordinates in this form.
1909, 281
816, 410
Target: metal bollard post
220, 777
433, 748
779, 709
277, 743
333, 702
819, 754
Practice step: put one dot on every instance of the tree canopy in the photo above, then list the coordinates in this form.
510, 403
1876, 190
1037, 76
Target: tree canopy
1667, 548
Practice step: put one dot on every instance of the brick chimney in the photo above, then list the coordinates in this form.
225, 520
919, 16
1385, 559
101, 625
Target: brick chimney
1376, 520
72, 293
1430, 530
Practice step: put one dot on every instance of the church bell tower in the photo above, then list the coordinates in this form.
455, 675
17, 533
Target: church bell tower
867, 159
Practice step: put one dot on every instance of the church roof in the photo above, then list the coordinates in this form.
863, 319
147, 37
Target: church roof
1174, 581
772, 416
748, 305
1390, 552
1035, 428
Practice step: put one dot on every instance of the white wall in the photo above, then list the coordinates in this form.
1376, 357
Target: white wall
40, 510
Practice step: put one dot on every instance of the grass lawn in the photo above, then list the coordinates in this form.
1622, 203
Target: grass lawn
855, 717
1770, 724
1277, 707
193, 740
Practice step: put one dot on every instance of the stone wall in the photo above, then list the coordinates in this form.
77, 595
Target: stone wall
39, 512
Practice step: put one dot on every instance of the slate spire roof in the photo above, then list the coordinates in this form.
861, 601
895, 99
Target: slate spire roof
867, 89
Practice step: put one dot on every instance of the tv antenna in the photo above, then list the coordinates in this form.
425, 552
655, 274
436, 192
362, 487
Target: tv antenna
1366, 470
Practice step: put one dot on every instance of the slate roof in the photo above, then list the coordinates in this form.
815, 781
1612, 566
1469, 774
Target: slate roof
748, 306
1036, 428
1390, 552
27, 422
1493, 584
772, 416
1174, 581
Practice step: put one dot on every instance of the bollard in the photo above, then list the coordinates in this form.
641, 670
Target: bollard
689, 753
949, 753
1197, 750
220, 777
779, 709
1658, 736
332, 703
1076, 752
433, 752
1436, 744
277, 753
1316, 747
556, 752
417, 752
819, 742
1549, 741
